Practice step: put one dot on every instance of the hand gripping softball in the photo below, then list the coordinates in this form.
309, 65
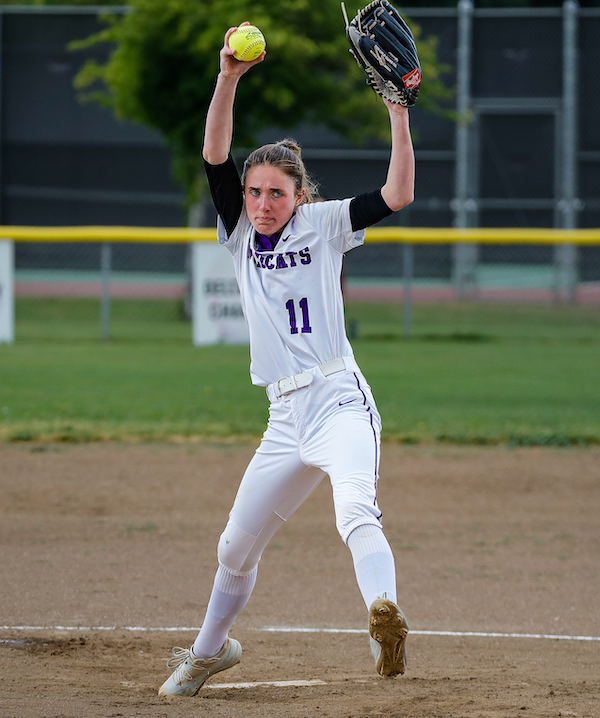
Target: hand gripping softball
385, 49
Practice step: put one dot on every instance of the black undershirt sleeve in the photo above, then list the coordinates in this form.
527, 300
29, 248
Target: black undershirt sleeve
367, 209
226, 191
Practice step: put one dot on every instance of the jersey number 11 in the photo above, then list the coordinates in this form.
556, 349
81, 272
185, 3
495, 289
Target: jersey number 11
290, 306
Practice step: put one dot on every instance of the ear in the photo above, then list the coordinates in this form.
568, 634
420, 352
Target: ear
300, 197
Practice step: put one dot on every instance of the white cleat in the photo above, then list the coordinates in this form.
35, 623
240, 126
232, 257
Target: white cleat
190, 672
388, 629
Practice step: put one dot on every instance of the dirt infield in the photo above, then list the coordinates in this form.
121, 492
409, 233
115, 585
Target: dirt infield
101, 545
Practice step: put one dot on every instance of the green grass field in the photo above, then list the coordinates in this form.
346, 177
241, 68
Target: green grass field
472, 373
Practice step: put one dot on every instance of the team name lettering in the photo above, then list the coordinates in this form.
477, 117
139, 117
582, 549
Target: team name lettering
282, 260
304, 255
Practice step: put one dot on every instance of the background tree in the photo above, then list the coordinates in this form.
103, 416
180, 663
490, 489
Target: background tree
162, 69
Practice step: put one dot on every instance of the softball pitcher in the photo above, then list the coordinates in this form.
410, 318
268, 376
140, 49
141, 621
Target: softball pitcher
287, 251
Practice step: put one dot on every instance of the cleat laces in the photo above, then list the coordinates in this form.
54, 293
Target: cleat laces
187, 665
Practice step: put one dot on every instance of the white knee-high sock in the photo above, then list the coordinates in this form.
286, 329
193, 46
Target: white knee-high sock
373, 563
229, 596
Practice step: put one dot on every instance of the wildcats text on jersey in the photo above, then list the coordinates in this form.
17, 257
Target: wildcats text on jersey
279, 260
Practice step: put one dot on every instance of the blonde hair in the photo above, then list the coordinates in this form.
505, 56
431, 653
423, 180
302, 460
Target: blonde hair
285, 155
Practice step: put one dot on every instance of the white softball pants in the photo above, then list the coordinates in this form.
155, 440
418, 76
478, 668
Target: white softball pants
332, 427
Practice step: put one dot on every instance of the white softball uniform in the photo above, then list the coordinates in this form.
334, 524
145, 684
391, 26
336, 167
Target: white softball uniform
322, 419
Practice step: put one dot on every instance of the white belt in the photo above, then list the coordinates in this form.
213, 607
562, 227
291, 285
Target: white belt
291, 383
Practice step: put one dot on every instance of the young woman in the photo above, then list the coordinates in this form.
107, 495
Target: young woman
287, 251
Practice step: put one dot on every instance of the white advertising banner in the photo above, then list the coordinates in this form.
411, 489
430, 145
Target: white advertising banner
7, 291
216, 310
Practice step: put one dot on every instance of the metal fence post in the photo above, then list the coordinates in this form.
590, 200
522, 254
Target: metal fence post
105, 270
465, 256
566, 254
408, 266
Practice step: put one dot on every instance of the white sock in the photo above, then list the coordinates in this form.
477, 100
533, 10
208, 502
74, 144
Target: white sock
229, 596
373, 563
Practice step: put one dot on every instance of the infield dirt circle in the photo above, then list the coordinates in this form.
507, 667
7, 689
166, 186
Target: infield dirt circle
105, 547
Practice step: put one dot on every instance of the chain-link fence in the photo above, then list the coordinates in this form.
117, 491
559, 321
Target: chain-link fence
123, 290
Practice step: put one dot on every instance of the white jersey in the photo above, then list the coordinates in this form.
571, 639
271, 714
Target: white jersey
291, 296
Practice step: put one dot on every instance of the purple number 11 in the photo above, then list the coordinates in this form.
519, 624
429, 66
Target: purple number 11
289, 305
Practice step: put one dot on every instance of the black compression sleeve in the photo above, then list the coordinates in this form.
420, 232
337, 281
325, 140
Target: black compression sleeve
226, 191
367, 209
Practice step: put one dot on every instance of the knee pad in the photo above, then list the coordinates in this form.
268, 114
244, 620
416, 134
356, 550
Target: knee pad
239, 551
234, 547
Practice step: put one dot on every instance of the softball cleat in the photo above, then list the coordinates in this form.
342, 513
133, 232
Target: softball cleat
191, 673
388, 630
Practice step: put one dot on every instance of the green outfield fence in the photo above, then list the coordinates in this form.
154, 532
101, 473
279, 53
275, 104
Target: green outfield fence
398, 265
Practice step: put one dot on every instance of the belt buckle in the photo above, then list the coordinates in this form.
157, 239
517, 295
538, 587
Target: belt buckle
289, 384
286, 385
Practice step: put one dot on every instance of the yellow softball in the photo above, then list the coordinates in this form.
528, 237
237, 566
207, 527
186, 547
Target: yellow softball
248, 43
